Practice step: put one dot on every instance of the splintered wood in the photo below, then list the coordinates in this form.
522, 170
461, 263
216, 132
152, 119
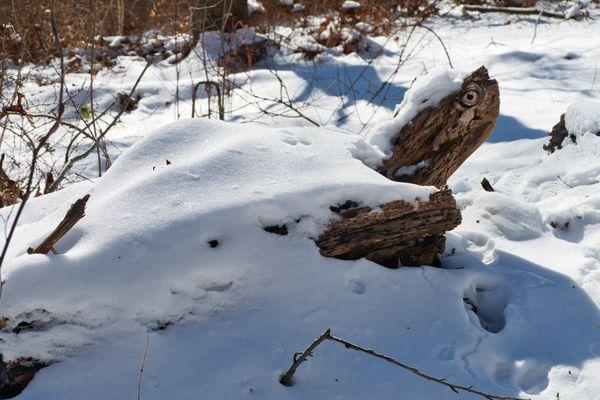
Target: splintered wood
399, 234
75, 213
442, 138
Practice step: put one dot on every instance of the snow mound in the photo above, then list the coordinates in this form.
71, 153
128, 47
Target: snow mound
583, 116
142, 255
508, 217
427, 91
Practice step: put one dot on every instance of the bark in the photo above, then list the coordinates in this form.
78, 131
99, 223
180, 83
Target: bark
438, 140
426, 151
399, 234
557, 136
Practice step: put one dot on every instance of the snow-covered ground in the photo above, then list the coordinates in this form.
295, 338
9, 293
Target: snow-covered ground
224, 322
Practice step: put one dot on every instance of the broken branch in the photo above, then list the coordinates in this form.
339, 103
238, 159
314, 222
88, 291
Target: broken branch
286, 379
75, 213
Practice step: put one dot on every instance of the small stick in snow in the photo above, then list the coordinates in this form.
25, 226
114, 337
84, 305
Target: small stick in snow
139, 385
286, 379
486, 185
560, 179
75, 213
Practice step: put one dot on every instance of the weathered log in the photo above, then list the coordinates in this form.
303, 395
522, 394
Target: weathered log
399, 234
438, 140
75, 213
428, 149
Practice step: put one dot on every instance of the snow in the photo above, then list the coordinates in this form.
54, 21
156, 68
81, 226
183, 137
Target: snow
255, 6
245, 175
427, 91
286, 2
350, 5
526, 255
411, 169
583, 116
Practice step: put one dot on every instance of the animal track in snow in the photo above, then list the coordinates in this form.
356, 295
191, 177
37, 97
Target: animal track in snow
294, 140
357, 286
487, 300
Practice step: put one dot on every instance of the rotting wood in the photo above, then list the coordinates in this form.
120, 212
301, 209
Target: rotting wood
428, 150
75, 213
399, 234
438, 140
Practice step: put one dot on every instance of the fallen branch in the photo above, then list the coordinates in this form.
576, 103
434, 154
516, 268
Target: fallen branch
75, 213
513, 10
286, 379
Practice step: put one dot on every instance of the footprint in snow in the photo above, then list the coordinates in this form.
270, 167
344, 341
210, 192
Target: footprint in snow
357, 286
487, 300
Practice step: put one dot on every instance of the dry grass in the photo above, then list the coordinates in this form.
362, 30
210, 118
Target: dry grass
25, 32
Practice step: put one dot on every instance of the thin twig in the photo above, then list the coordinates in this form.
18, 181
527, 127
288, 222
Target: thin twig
439, 40
207, 84
286, 379
139, 385
560, 179
68, 165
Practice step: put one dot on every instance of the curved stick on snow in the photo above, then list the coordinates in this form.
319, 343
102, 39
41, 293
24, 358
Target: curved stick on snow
286, 379
207, 84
